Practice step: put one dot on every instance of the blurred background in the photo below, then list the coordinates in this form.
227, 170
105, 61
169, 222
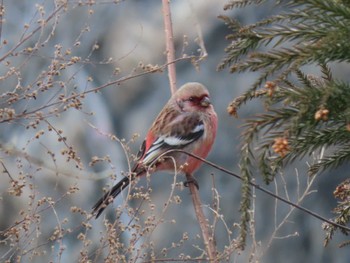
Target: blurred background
47, 162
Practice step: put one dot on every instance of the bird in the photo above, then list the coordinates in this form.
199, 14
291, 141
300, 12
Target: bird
187, 122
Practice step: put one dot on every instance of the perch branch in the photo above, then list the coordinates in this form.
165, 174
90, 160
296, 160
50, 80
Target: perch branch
209, 242
343, 227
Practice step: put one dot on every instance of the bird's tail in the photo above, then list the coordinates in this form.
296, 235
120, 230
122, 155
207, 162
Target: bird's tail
109, 196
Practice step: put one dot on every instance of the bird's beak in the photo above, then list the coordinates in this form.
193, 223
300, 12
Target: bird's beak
205, 102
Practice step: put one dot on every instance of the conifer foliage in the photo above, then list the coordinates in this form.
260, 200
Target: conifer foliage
303, 113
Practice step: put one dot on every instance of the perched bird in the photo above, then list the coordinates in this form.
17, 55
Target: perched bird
187, 122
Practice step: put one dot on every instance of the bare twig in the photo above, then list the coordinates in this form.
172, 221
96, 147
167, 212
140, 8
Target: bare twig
169, 42
209, 242
343, 227
94, 90
24, 39
2, 11
200, 39
6, 171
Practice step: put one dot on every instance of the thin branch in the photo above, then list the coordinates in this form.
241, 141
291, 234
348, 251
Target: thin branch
40, 27
200, 39
2, 11
6, 171
343, 227
97, 89
169, 42
209, 241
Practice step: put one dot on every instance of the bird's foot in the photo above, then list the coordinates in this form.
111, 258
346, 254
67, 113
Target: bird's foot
191, 180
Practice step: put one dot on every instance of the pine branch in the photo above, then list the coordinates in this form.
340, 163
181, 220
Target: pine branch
241, 3
303, 113
332, 161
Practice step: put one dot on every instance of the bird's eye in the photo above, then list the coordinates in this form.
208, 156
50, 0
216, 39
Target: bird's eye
191, 99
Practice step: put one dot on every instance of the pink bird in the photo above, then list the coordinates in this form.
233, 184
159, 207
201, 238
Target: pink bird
188, 122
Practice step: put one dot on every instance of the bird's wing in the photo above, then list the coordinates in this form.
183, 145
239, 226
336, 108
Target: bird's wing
178, 134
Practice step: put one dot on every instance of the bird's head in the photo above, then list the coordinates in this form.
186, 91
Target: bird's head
193, 96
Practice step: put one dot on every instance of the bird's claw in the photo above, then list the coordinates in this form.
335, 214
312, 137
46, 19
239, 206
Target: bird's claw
191, 181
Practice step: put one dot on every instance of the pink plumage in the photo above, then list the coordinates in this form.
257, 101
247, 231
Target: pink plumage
188, 122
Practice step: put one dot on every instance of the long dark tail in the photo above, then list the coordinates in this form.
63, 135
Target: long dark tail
109, 196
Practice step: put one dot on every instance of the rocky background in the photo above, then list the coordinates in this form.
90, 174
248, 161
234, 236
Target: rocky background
112, 41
